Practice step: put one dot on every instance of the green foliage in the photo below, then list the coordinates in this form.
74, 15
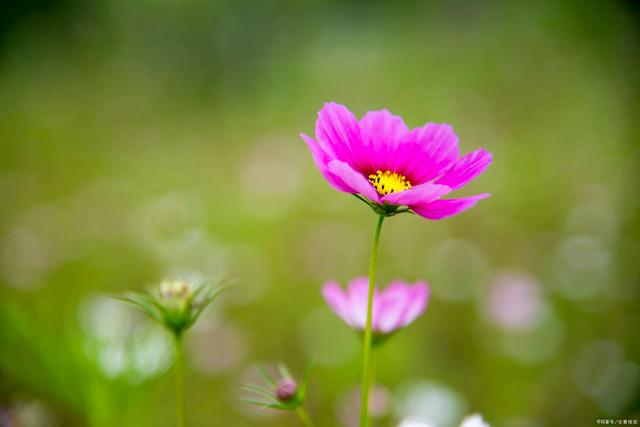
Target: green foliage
45, 355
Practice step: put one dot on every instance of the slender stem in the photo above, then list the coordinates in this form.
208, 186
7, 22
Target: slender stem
372, 371
304, 416
181, 403
367, 359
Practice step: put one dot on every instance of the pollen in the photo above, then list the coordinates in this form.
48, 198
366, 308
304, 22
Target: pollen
389, 182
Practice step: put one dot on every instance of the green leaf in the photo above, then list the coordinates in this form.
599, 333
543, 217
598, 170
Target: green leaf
266, 376
259, 390
284, 371
264, 405
141, 303
302, 389
208, 299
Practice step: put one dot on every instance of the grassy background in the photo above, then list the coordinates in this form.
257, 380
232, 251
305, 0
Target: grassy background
146, 139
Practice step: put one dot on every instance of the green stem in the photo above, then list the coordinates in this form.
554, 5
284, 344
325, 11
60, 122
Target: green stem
304, 416
367, 359
181, 403
372, 370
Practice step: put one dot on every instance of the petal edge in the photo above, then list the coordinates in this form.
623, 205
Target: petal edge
445, 208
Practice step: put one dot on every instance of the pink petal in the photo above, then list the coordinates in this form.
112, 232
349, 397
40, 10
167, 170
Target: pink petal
466, 168
321, 159
418, 296
355, 181
393, 302
444, 208
426, 152
381, 133
338, 132
358, 294
337, 300
420, 194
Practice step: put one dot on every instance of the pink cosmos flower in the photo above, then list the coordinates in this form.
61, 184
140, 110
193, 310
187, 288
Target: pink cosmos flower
395, 307
378, 157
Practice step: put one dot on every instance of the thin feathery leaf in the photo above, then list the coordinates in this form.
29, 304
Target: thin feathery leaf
140, 304
207, 285
281, 406
305, 380
284, 371
266, 376
259, 390
208, 299
264, 405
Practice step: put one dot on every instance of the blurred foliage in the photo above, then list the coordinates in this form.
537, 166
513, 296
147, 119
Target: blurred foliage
142, 140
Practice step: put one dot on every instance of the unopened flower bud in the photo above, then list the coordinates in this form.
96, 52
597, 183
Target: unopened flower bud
286, 390
283, 392
176, 304
175, 290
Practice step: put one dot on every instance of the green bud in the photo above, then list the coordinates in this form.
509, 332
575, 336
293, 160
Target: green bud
176, 304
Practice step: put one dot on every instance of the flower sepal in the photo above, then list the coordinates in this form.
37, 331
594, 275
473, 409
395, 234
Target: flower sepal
385, 209
378, 339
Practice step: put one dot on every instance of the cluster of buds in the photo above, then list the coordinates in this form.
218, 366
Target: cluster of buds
175, 304
283, 393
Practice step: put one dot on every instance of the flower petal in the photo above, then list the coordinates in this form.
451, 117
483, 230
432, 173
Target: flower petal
427, 152
466, 168
392, 306
321, 159
418, 195
337, 300
381, 133
355, 181
338, 132
418, 296
358, 294
444, 208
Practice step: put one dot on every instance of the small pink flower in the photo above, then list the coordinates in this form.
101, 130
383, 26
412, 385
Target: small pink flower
395, 307
378, 157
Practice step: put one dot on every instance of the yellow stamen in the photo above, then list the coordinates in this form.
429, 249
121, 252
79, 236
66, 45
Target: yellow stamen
389, 182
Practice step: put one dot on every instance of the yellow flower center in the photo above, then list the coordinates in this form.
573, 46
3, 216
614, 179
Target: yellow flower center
389, 182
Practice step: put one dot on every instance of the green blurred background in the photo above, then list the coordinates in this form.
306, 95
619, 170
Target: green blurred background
155, 138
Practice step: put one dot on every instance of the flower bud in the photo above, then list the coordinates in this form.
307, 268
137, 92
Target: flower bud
176, 304
282, 393
286, 389
175, 289
176, 294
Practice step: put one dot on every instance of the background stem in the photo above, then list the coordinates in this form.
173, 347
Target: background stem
304, 416
181, 403
367, 366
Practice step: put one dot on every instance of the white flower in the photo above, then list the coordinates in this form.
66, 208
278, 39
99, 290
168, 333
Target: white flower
474, 420
412, 422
